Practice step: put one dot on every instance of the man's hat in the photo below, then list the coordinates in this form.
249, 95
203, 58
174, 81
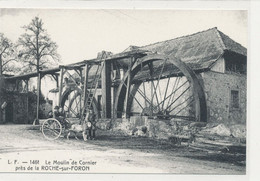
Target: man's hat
56, 107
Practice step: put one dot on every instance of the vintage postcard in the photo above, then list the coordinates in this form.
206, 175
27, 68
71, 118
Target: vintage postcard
123, 91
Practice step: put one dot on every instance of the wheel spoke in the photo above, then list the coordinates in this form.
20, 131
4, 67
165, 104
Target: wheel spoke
134, 97
138, 103
74, 104
176, 82
155, 93
151, 102
80, 104
51, 129
158, 80
172, 94
164, 99
185, 107
180, 104
77, 103
160, 94
177, 98
74, 110
144, 94
147, 99
69, 109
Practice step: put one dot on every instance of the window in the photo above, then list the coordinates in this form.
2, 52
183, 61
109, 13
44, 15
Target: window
234, 99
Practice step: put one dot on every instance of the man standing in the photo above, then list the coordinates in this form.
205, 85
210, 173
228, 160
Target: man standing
56, 112
89, 126
92, 125
59, 114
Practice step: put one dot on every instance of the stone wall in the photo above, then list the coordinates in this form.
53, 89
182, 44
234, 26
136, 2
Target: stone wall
153, 128
217, 87
173, 130
1, 98
16, 109
21, 108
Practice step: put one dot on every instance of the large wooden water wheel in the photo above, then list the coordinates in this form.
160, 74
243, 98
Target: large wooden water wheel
162, 87
72, 103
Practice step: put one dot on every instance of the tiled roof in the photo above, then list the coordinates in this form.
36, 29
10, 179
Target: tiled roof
200, 49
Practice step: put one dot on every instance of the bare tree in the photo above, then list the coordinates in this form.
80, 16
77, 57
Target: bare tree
36, 49
7, 54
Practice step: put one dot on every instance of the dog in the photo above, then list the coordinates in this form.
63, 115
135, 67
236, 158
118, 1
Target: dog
76, 129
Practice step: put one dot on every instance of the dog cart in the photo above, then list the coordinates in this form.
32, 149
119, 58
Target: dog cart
52, 129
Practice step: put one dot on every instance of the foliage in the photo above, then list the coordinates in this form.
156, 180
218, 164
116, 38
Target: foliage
35, 48
7, 55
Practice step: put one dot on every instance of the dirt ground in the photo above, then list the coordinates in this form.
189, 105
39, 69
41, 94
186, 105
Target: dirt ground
112, 153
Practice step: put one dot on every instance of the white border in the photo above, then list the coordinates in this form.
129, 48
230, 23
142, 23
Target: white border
187, 5
253, 143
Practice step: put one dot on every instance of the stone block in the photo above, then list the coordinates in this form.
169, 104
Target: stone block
220, 129
137, 121
238, 131
162, 135
104, 124
198, 124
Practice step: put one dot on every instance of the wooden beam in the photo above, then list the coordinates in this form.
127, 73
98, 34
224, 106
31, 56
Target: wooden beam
38, 97
150, 65
128, 86
87, 68
106, 89
165, 94
61, 84
17, 85
56, 78
81, 82
27, 101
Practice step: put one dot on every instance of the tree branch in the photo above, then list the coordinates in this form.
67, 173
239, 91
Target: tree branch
7, 61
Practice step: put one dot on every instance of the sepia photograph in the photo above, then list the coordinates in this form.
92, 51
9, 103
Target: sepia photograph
123, 91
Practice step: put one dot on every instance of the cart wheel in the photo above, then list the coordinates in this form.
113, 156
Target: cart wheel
51, 129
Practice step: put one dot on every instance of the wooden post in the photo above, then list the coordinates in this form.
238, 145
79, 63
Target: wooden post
17, 85
61, 84
85, 88
150, 65
80, 74
128, 86
80, 102
1, 66
115, 87
56, 77
106, 89
38, 98
27, 101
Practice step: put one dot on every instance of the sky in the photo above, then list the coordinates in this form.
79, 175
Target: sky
82, 33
